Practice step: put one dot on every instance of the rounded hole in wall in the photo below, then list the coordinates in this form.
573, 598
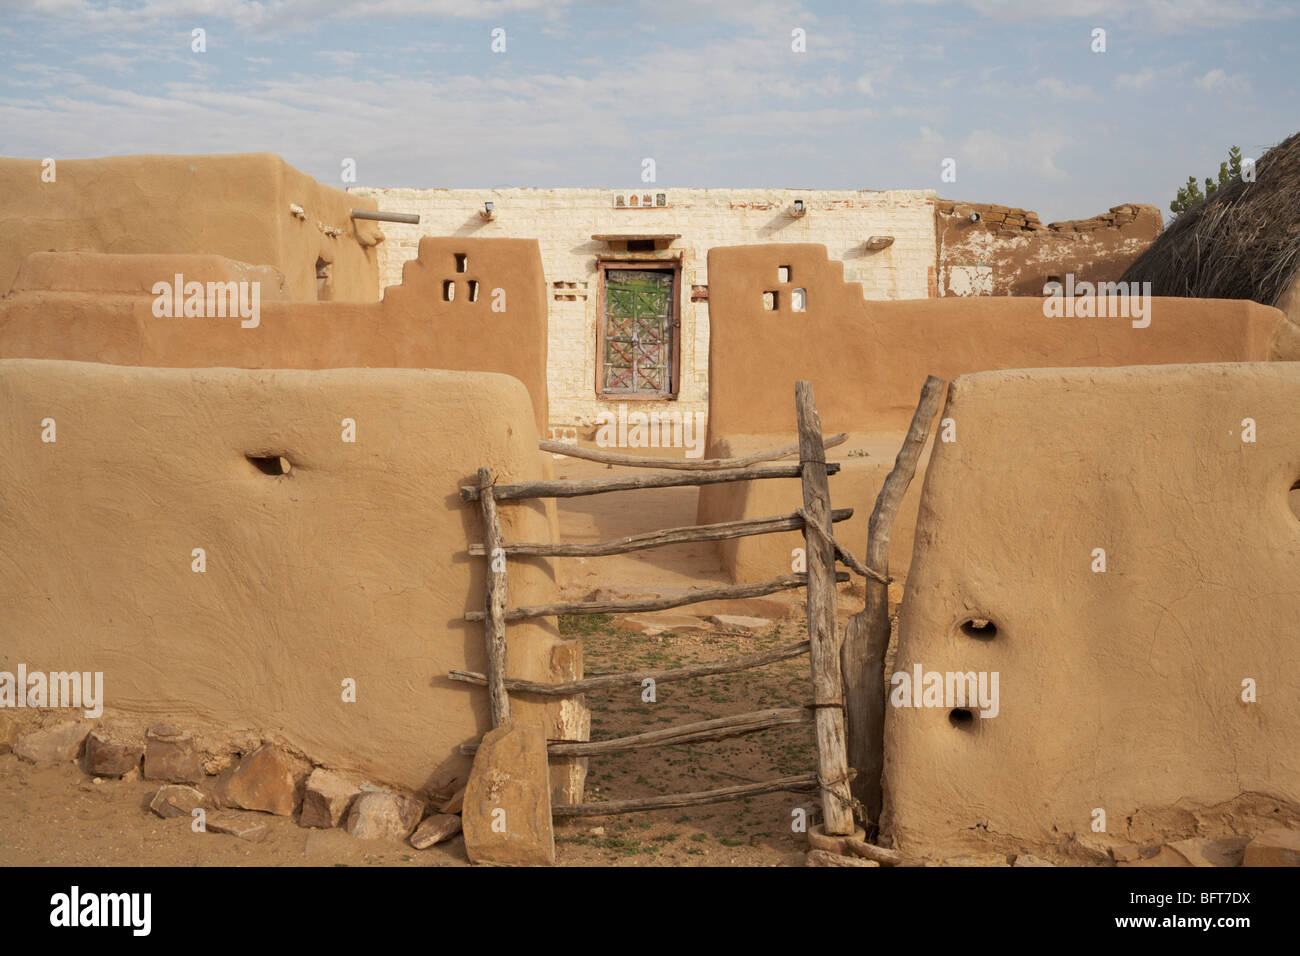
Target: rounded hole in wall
273, 465
1293, 498
961, 718
980, 628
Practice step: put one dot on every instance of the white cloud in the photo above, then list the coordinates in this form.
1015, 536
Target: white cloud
1218, 81
990, 152
1166, 16
1135, 81
111, 61
1066, 91
262, 14
342, 58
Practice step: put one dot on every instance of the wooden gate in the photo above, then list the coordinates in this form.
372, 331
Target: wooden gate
827, 706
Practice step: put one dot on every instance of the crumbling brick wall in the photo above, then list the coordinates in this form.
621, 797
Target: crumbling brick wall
1008, 251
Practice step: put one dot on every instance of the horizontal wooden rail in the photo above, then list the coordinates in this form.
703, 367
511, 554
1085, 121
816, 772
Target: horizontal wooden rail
636, 677
658, 539
718, 728
725, 592
678, 464
805, 781
596, 486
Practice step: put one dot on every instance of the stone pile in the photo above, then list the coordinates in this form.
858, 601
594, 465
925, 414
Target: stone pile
267, 781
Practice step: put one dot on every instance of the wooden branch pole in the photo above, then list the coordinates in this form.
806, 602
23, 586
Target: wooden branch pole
832, 766
718, 728
596, 486
866, 639
658, 539
804, 781
679, 464
494, 626
723, 592
636, 677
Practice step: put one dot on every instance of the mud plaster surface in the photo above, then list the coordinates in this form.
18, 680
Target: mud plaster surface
1119, 690
352, 566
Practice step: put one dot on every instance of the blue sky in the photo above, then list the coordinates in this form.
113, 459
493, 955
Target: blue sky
713, 92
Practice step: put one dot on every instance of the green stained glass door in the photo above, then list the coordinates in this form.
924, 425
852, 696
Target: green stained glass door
638, 332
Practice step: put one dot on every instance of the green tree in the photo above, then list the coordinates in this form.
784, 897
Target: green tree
1189, 195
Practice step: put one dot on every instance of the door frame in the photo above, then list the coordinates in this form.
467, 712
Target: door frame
675, 316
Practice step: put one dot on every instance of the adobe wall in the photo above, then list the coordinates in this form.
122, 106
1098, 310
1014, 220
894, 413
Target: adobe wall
237, 206
564, 221
351, 566
1121, 690
415, 326
1009, 252
868, 360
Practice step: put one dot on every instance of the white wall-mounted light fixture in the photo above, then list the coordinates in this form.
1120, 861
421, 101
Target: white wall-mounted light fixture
974, 217
876, 243
798, 209
488, 212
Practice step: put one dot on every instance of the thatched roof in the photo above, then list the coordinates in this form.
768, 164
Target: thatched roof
1241, 243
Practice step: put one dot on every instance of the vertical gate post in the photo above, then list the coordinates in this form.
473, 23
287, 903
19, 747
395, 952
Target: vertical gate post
866, 639
828, 694
494, 624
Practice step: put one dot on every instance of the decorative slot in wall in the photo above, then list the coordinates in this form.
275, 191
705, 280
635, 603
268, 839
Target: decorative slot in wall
568, 291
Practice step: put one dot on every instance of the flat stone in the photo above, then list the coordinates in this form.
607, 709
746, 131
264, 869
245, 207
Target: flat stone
436, 829
170, 754
383, 815
1201, 851
178, 800
456, 802
246, 826
1028, 859
507, 811
262, 780
740, 622
106, 757
57, 744
653, 624
1279, 847
327, 798
827, 858
1126, 854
